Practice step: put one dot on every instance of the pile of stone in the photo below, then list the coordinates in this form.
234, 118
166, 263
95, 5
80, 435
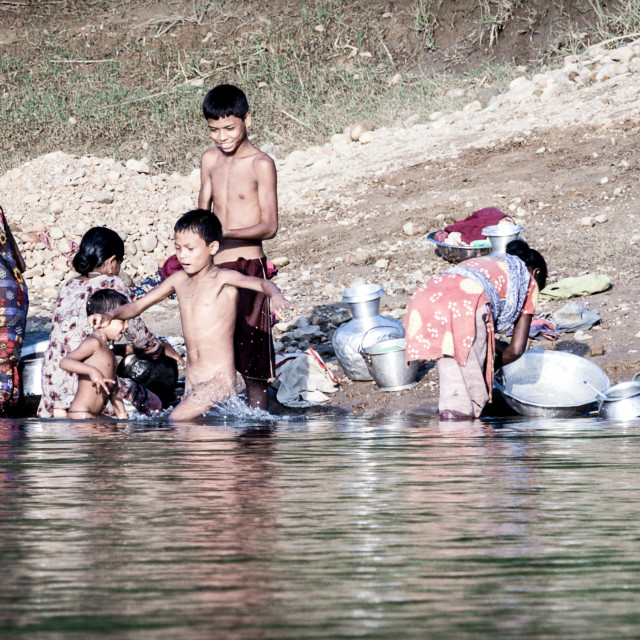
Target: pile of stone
50, 202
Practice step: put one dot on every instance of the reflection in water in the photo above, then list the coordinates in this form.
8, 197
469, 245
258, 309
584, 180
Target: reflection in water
321, 528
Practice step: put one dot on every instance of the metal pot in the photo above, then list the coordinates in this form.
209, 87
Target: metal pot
366, 328
620, 402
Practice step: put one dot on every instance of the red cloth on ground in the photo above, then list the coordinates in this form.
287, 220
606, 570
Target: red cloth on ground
471, 228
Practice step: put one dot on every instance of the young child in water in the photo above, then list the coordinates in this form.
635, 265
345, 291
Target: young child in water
95, 363
207, 298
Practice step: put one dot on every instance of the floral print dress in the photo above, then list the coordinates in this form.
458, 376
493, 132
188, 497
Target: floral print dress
69, 328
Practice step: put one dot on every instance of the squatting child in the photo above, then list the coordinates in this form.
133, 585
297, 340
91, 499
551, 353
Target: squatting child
207, 299
238, 183
95, 363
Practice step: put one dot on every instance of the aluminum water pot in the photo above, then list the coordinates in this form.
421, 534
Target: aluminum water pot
366, 328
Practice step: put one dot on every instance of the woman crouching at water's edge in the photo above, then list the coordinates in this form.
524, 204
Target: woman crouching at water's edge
98, 262
453, 318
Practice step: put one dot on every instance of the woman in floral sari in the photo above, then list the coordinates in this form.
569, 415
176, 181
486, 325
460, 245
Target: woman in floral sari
453, 318
14, 304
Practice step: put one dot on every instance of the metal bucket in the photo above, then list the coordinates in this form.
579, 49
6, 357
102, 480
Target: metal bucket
387, 366
31, 368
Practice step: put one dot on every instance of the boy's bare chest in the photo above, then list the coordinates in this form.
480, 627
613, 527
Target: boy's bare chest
234, 182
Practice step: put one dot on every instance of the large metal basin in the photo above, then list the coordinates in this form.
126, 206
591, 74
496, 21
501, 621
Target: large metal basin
552, 384
454, 253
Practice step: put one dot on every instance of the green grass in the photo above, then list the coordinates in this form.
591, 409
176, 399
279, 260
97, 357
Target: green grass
125, 86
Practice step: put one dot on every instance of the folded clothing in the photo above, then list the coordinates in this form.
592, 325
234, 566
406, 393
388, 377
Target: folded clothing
471, 227
577, 286
574, 316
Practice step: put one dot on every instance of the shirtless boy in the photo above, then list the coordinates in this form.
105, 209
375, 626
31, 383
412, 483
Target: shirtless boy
238, 183
95, 363
208, 299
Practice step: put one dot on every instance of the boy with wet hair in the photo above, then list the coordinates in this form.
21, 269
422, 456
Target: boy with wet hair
238, 184
94, 363
208, 299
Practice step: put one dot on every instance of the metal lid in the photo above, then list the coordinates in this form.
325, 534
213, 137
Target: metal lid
362, 293
502, 230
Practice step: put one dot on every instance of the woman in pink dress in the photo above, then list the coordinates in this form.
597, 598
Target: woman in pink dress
97, 262
453, 318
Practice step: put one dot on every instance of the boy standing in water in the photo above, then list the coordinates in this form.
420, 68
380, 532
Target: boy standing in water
238, 184
94, 363
208, 299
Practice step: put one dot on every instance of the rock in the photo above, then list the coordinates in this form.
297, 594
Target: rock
596, 349
307, 333
148, 242
360, 256
601, 218
582, 336
408, 229
102, 197
131, 249
622, 54
180, 204
517, 84
128, 280
366, 137
50, 292
383, 263
55, 207
64, 246
301, 321
586, 221
280, 261
607, 72
359, 128
32, 198
472, 107
455, 93
137, 165
485, 94
56, 233
436, 115
396, 79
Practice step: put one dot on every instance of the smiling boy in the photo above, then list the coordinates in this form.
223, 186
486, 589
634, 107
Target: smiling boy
207, 298
238, 183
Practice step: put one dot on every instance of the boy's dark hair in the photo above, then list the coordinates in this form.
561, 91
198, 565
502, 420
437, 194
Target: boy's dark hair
223, 101
531, 258
97, 245
104, 301
201, 222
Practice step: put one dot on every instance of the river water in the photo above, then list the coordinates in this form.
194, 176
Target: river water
400, 527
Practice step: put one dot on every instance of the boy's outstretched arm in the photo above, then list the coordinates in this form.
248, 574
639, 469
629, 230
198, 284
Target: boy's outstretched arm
267, 227
279, 302
74, 362
135, 308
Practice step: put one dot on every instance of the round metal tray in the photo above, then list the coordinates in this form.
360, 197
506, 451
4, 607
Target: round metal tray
453, 253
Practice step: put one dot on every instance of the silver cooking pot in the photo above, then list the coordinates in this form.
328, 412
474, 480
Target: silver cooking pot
620, 402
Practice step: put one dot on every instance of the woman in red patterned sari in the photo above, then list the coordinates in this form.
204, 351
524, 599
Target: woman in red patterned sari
14, 304
453, 318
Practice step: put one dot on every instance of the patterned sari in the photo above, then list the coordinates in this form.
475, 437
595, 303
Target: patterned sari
14, 303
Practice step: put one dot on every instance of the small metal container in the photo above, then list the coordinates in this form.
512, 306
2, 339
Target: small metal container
620, 402
500, 235
387, 365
